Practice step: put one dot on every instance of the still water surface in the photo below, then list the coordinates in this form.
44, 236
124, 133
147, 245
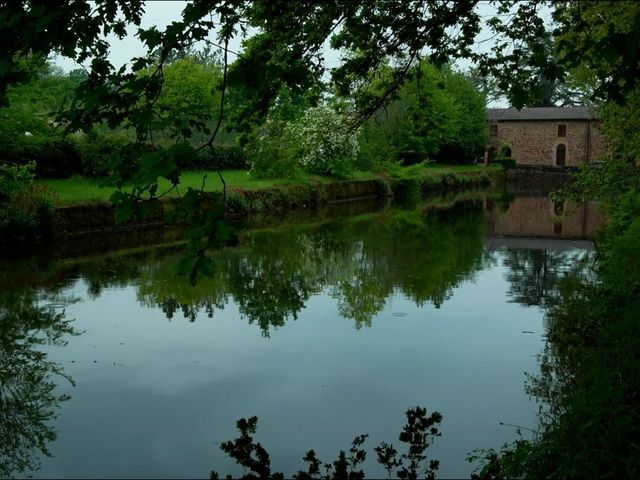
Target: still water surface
324, 330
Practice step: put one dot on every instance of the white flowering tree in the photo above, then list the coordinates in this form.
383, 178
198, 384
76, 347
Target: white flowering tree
325, 144
318, 141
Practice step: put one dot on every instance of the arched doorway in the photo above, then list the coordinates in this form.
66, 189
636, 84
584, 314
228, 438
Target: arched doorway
561, 153
491, 153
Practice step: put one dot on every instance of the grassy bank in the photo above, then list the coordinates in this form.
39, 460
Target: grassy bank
83, 190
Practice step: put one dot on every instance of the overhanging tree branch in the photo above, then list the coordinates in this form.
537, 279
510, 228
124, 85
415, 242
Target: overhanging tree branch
209, 143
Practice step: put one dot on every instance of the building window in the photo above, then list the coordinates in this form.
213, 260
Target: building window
558, 208
493, 129
557, 228
562, 130
561, 154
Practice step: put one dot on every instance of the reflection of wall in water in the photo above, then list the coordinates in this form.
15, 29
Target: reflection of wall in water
541, 217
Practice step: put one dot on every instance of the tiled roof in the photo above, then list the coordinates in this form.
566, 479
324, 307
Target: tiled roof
541, 113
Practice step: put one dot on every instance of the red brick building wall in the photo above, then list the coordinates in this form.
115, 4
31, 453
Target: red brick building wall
535, 142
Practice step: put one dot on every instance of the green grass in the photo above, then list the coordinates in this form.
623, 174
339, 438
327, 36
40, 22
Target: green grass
79, 189
82, 190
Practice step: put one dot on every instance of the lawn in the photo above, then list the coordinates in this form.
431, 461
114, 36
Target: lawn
80, 190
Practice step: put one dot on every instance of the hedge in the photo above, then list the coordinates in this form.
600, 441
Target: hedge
88, 155
53, 157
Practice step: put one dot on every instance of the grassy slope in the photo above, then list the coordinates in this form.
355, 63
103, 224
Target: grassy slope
79, 190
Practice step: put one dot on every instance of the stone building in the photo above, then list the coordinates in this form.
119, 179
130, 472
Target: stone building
545, 136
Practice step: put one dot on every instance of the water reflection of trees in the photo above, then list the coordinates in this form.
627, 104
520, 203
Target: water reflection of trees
360, 261
534, 274
28, 400
587, 383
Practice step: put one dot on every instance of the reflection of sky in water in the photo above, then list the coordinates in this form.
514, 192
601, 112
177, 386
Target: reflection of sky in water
154, 398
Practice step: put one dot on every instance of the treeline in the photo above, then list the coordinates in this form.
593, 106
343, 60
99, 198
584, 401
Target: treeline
32, 129
438, 115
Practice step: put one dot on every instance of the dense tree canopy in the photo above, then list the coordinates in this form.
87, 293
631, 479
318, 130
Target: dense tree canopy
190, 94
286, 50
286, 40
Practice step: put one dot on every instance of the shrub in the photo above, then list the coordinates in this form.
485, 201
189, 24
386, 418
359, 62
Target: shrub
272, 152
504, 157
505, 162
383, 187
97, 151
236, 203
25, 208
411, 157
318, 142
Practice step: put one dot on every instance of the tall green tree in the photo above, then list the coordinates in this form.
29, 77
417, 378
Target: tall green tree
31, 106
438, 113
572, 88
190, 96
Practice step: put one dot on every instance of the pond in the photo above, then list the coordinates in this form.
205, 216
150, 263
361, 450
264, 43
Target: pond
325, 327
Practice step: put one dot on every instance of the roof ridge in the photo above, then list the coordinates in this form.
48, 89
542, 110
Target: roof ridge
542, 113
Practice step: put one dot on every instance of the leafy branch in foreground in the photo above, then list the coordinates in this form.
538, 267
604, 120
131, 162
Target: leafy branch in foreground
418, 434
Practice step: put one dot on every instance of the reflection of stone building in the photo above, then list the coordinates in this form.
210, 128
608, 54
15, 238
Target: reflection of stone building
541, 217
546, 136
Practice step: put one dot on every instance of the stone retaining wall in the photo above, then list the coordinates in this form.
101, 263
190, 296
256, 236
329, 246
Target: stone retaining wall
83, 218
